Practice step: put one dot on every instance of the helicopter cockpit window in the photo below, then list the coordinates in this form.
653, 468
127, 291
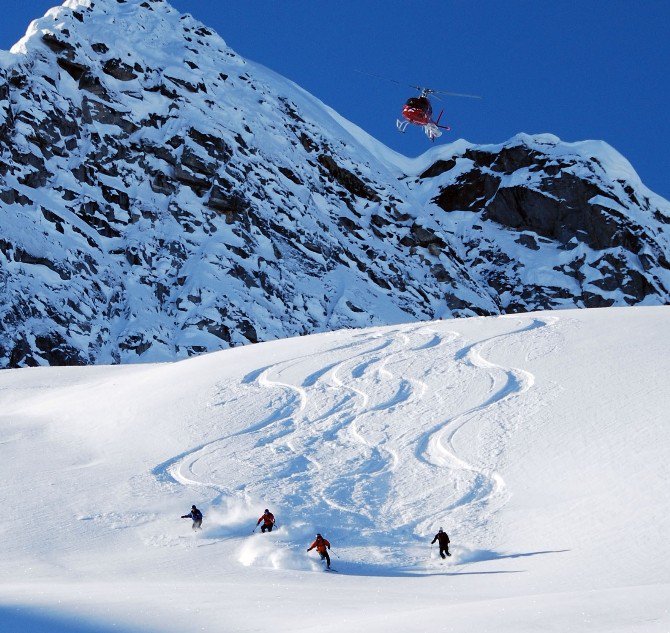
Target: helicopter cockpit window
414, 102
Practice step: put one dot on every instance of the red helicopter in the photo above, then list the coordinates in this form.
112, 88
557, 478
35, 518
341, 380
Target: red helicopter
419, 111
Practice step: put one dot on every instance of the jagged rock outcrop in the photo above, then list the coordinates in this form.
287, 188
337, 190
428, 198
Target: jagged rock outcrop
160, 196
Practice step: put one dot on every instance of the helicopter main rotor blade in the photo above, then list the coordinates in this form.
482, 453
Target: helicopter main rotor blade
394, 81
454, 94
362, 72
421, 89
430, 91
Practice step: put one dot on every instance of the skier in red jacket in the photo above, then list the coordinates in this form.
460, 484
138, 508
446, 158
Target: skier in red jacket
322, 546
268, 521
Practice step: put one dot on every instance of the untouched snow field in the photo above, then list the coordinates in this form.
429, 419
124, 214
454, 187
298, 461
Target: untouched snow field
539, 442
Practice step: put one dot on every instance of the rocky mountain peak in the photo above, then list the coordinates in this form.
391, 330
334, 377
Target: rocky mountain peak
161, 196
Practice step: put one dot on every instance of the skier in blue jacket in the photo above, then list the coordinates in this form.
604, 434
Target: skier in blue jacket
196, 515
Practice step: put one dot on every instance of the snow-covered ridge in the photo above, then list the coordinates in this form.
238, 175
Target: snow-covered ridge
163, 197
538, 441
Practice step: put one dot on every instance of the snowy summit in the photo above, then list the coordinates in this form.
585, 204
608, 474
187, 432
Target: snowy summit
163, 197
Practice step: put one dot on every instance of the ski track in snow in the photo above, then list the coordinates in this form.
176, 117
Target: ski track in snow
343, 458
477, 486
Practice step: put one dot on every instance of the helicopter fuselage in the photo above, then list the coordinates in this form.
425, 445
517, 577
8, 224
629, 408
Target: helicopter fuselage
417, 110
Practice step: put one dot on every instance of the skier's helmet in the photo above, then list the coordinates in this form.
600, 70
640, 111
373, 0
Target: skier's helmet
440, 530
266, 510
193, 507
318, 536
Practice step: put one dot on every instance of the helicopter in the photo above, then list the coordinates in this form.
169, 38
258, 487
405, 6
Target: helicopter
419, 110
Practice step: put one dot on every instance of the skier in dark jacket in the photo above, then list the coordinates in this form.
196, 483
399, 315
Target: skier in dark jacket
196, 515
443, 539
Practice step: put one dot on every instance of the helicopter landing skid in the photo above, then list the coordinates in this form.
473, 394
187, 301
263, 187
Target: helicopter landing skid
401, 125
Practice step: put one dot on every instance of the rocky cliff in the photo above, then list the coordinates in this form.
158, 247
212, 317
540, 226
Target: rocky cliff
161, 196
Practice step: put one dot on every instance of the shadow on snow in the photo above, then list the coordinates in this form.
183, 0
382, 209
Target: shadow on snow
481, 555
464, 558
35, 620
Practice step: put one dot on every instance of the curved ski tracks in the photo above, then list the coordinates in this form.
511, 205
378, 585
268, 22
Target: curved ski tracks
345, 448
478, 487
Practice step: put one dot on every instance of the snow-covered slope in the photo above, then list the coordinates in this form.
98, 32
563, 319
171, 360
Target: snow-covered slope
539, 442
161, 196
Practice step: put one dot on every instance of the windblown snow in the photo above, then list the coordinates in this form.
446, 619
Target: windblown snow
539, 442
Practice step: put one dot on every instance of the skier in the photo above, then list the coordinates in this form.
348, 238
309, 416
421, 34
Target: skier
443, 540
268, 521
196, 515
322, 546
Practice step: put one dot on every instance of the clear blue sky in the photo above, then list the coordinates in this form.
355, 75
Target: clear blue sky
595, 69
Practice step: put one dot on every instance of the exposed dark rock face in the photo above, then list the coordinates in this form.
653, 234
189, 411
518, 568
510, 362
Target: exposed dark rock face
155, 207
438, 167
346, 179
471, 191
